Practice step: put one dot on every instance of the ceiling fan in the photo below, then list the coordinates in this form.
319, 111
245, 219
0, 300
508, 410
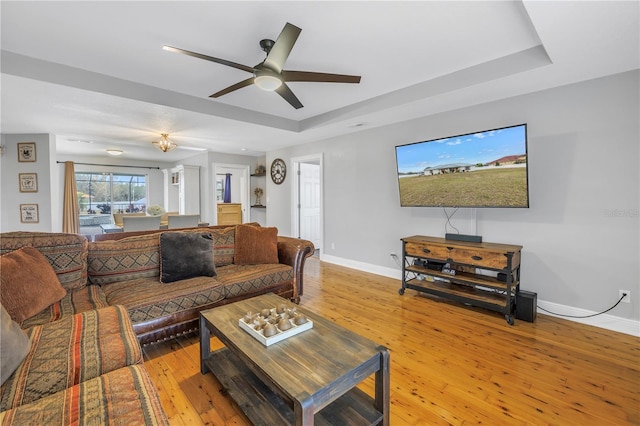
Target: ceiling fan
269, 74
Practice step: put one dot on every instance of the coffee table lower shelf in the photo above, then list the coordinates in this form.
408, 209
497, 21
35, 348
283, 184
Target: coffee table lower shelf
265, 407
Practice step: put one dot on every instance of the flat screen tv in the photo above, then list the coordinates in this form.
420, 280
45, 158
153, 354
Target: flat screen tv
481, 169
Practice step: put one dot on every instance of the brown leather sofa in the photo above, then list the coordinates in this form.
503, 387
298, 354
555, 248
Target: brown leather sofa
127, 267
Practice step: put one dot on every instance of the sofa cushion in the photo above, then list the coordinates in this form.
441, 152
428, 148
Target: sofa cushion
147, 298
126, 259
28, 283
75, 302
70, 351
14, 345
186, 255
125, 397
246, 279
67, 253
256, 245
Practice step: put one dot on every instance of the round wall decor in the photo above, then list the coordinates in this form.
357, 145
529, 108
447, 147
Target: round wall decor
278, 171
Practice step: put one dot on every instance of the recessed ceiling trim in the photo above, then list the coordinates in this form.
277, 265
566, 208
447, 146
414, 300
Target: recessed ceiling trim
505, 66
37, 69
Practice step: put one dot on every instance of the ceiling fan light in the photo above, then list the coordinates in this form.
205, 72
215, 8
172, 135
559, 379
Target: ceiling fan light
111, 151
268, 82
164, 144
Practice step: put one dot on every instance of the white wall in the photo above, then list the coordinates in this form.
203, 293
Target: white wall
46, 198
581, 233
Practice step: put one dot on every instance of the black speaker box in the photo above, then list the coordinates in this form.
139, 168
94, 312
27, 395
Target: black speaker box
526, 305
503, 277
463, 237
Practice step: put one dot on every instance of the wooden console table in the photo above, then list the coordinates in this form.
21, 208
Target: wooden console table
486, 274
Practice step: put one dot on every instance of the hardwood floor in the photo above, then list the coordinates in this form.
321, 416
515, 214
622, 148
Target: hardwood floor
450, 364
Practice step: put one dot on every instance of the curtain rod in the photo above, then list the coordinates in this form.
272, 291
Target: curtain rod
111, 165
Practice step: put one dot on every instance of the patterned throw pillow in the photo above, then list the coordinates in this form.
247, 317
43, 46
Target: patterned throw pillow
28, 283
123, 260
224, 241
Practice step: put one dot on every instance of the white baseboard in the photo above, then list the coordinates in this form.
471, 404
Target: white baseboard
608, 322
362, 266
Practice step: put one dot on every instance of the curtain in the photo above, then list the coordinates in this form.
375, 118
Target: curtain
227, 188
70, 209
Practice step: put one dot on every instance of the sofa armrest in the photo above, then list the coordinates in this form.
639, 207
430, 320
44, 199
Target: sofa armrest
294, 252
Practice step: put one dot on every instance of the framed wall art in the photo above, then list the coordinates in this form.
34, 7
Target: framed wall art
29, 213
26, 152
28, 182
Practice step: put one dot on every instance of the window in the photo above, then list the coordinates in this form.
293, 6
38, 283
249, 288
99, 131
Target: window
219, 188
104, 193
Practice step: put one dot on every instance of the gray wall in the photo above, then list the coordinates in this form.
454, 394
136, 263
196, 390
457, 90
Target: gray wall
581, 233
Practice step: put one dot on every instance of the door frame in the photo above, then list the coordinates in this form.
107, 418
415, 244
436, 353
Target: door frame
295, 194
244, 188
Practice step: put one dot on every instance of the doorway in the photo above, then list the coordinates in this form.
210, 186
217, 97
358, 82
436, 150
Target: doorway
307, 199
238, 188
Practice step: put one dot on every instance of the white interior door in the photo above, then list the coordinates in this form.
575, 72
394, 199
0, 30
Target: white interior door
309, 202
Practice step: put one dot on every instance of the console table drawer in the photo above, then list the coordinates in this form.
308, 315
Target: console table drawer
479, 257
466, 255
431, 251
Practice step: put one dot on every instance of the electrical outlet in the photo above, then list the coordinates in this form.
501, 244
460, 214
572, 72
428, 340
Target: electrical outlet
627, 297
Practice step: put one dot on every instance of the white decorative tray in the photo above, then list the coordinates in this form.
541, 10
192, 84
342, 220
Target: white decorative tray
279, 336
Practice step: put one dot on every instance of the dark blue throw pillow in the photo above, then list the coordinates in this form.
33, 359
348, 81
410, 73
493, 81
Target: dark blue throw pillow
186, 255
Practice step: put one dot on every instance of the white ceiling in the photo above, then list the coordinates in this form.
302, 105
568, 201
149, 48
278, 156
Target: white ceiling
96, 71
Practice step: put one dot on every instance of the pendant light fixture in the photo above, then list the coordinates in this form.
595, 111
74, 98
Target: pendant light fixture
164, 144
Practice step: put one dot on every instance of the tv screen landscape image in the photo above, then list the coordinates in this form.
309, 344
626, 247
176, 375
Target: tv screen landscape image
482, 169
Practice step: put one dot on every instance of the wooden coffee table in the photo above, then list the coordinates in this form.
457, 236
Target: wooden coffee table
310, 377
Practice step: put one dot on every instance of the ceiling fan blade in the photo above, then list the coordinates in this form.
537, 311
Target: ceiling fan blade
209, 58
243, 83
280, 51
319, 77
288, 96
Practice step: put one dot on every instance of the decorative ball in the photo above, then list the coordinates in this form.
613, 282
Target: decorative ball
299, 319
284, 324
269, 330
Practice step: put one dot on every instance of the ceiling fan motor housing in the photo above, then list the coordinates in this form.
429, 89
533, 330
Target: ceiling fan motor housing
266, 45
